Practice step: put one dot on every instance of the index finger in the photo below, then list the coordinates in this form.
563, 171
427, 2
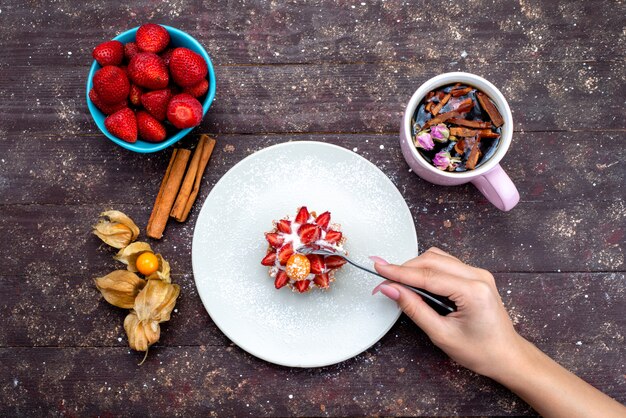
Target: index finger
437, 282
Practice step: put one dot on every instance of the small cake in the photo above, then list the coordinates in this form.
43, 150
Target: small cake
298, 271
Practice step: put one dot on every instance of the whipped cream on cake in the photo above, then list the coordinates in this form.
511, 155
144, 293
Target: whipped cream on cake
302, 272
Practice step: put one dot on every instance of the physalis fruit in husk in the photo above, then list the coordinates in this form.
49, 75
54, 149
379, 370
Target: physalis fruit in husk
120, 288
116, 229
153, 305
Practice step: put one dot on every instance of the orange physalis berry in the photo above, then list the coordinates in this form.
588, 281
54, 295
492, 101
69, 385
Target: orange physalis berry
147, 263
298, 267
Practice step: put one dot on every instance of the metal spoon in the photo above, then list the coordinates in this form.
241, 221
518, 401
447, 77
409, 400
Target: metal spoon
442, 305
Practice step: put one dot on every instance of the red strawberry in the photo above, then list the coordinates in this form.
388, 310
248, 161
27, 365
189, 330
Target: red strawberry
105, 108
303, 215
284, 253
269, 259
148, 70
135, 95
152, 38
111, 84
284, 226
281, 279
274, 239
122, 124
322, 280
334, 262
109, 53
332, 236
309, 233
149, 128
317, 264
198, 90
302, 286
187, 67
323, 220
184, 111
155, 102
166, 56
130, 50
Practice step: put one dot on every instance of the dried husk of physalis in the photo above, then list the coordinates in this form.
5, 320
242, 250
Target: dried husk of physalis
116, 229
163, 273
153, 305
141, 334
120, 288
156, 301
129, 254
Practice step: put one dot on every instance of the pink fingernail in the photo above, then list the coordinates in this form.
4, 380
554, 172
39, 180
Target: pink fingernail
379, 260
377, 288
389, 291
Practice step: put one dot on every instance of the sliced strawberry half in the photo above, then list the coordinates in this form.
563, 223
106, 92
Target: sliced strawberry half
274, 239
284, 253
332, 236
334, 262
284, 226
303, 215
281, 279
302, 286
322, 280
323, 220
309, 233
317, 263
269, 259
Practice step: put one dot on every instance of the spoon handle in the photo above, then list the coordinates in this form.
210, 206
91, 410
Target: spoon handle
442, 305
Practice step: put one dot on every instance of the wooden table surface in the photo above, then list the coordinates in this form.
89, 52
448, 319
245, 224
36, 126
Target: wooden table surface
339, 72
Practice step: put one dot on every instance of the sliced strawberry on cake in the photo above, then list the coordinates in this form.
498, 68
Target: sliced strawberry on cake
297, 271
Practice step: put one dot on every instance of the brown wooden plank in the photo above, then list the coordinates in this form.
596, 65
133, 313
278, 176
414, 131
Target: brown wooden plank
330, 98
388, 379
538, 236
550, 309
571, 167
328, 31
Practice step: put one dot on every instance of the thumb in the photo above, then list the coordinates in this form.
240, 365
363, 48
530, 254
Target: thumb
414, 306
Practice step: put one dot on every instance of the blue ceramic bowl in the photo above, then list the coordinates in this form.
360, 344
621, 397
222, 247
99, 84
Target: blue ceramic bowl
178, 38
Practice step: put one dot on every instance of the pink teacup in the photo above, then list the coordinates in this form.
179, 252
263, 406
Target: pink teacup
489, 177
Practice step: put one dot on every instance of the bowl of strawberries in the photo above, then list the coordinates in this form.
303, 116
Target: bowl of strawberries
149, 87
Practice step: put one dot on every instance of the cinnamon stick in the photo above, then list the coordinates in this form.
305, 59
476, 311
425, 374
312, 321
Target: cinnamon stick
441, 118
472, 160
460, 92
459, 147
207, 150
163, 183
167, 193
470, 123
190, 178
490, 108
439, 105
465, 132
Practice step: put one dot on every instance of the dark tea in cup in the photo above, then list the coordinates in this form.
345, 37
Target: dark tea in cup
456, 127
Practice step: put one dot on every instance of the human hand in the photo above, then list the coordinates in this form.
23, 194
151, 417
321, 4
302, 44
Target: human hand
480, 334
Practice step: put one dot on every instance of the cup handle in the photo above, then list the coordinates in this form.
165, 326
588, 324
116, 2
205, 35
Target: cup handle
498, 188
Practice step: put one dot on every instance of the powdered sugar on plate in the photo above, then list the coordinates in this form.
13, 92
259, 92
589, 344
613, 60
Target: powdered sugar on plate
317, 328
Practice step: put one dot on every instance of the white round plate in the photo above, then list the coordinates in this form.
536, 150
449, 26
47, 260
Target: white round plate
317, 328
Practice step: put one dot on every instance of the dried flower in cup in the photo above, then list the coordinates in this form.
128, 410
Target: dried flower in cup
116, 229
120, 288
424, 140
444, 161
